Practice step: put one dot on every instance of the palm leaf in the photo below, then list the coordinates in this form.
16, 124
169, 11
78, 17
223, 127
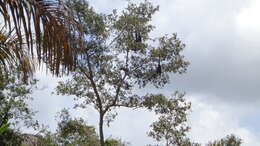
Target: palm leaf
3, 128
44, 25
14, 56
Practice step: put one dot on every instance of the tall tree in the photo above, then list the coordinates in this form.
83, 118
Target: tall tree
44, 22
118, 56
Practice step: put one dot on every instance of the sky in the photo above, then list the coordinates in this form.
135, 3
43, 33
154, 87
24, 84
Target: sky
222, 81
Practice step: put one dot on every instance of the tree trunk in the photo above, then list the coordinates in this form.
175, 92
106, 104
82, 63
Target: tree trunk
101, 134
167, 144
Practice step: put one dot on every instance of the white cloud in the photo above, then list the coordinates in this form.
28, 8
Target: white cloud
248, 18
211, 121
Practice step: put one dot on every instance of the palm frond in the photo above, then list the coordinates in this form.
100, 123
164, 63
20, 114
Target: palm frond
3, 128
44, 25
12, 55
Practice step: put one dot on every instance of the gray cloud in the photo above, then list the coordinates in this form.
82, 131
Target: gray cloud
223, 63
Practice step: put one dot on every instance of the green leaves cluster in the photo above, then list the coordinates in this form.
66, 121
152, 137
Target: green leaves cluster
4, 128
171, 126
230, 140
14, 94
74, 132
14, 109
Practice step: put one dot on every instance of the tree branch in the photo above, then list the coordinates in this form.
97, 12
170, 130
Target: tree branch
121, 83
117, 36
93, 84
83, 71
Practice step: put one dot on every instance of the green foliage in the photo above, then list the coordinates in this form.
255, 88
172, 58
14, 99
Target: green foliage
115, 142
188, 142
72, 132
230, 140
171, 126
10, 138
4, 128
48, 139
14, 110
14, 94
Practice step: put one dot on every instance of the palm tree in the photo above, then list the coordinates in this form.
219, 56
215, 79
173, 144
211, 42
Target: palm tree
37, 28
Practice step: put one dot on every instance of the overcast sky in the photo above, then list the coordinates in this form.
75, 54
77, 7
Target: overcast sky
223, 80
